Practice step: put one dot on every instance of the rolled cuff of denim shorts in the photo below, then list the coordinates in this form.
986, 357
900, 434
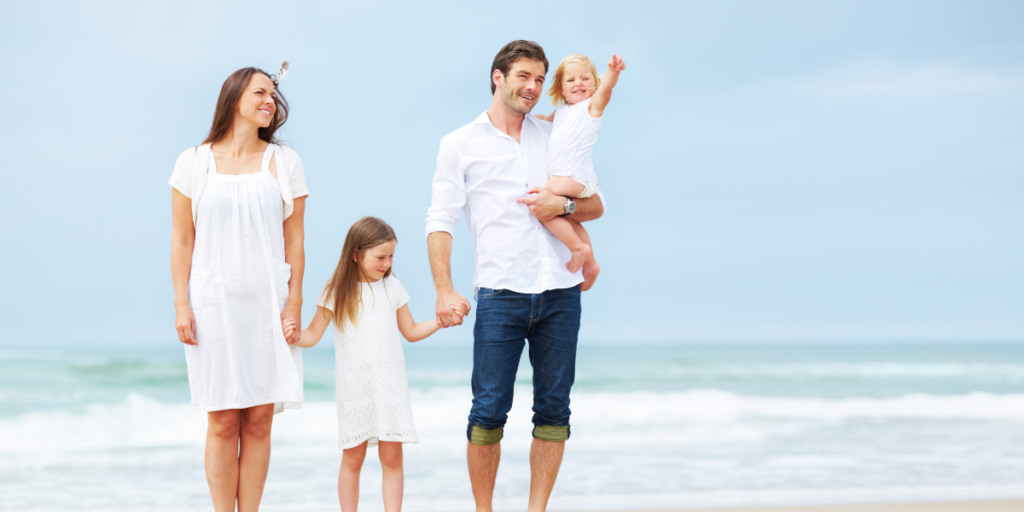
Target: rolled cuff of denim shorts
550, 433
484, 437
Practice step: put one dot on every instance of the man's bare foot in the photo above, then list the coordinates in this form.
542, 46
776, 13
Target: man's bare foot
579, 256
590, 272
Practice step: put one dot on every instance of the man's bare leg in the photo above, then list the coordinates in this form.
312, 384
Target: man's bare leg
483, 469
545, 459
590, 267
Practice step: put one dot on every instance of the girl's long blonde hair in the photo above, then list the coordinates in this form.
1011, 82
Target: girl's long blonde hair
556, 83
343, 290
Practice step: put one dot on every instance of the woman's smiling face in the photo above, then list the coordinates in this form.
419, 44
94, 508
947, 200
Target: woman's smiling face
259, 101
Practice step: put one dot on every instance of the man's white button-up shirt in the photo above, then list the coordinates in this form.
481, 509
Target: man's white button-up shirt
482, 171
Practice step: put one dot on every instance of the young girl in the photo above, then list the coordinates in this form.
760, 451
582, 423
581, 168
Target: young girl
368, 307
580, 99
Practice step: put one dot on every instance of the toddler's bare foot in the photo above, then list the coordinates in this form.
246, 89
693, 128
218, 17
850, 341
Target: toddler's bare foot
590, 272
579, 256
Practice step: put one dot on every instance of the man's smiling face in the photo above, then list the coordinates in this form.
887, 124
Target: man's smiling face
521, 87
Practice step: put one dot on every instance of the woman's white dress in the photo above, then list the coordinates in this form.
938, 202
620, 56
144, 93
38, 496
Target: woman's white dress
372, 388
237, 289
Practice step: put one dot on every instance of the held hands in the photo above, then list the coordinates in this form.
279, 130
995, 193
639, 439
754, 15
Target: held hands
616, 64
450, 308
543, 204
290, 328
293, 314
185, 323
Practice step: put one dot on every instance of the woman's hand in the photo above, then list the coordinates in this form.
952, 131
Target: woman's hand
185, 323
293, 314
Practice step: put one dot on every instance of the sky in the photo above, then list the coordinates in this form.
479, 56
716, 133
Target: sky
847, 171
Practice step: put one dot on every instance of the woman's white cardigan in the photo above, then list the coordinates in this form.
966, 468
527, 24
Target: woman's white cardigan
193, 166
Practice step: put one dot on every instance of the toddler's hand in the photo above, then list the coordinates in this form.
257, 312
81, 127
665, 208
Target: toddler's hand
289, 328
616, 63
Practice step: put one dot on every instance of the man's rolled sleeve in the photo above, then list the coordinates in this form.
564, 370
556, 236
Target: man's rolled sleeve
449, 190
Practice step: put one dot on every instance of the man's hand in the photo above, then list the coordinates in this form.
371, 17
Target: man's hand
543, 204
446, 312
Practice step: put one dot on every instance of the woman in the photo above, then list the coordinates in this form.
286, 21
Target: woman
237, 263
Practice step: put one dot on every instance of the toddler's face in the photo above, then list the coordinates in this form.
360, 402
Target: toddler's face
577, 83
376, 260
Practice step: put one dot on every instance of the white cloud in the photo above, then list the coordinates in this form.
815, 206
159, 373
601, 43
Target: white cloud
888, 80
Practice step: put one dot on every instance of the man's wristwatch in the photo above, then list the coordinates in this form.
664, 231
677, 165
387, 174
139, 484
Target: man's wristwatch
570, 206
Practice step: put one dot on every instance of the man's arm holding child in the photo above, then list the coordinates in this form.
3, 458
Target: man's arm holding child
545, 205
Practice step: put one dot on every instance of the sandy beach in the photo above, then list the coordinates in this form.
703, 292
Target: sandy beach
936, 506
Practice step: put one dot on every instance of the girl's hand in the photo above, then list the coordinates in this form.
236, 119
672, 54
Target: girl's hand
293, 313
185, 323
461, 308
289, 328
616, 63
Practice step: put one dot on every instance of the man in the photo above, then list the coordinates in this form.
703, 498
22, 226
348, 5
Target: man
493, 169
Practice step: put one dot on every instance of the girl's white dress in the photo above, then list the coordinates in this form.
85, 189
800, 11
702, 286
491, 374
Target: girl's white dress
237, 289
572, 139
372, 388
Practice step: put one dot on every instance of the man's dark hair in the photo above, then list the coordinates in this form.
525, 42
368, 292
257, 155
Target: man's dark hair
514, 51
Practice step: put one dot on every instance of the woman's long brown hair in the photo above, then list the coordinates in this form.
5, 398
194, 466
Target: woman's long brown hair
230, 92
343, 291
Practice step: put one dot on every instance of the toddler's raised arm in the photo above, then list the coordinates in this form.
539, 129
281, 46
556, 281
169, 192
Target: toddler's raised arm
603, 94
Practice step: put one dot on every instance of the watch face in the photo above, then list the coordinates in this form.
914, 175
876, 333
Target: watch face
570, 206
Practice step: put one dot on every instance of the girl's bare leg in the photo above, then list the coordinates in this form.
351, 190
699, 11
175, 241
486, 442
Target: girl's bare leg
590, 267
348, 477
394, 476
222, 434
561, 228
254, 456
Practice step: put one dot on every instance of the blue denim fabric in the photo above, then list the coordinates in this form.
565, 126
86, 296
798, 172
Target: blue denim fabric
504, 321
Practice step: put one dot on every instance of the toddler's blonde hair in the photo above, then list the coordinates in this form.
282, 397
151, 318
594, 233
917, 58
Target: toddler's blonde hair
556, 86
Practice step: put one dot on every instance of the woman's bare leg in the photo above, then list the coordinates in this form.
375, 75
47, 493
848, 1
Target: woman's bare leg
348, 477
561, 228
590, 267
394, 476
254, 456
222, 434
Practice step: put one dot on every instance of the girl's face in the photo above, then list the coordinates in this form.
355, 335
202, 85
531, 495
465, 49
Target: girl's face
259, 101
376, 261
577, 83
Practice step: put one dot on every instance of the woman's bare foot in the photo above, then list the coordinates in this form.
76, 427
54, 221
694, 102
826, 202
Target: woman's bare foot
579, 256
590, 271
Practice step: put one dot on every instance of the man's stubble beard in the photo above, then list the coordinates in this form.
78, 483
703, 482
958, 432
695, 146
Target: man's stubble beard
511, 98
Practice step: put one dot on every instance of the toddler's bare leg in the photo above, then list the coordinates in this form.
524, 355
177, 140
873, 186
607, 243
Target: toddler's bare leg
561, 227
590, 267
563, 186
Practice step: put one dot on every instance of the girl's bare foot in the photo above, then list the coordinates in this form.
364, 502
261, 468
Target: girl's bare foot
579, 256
590, 271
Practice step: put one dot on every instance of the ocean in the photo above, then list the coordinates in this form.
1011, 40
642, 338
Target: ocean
653, 426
